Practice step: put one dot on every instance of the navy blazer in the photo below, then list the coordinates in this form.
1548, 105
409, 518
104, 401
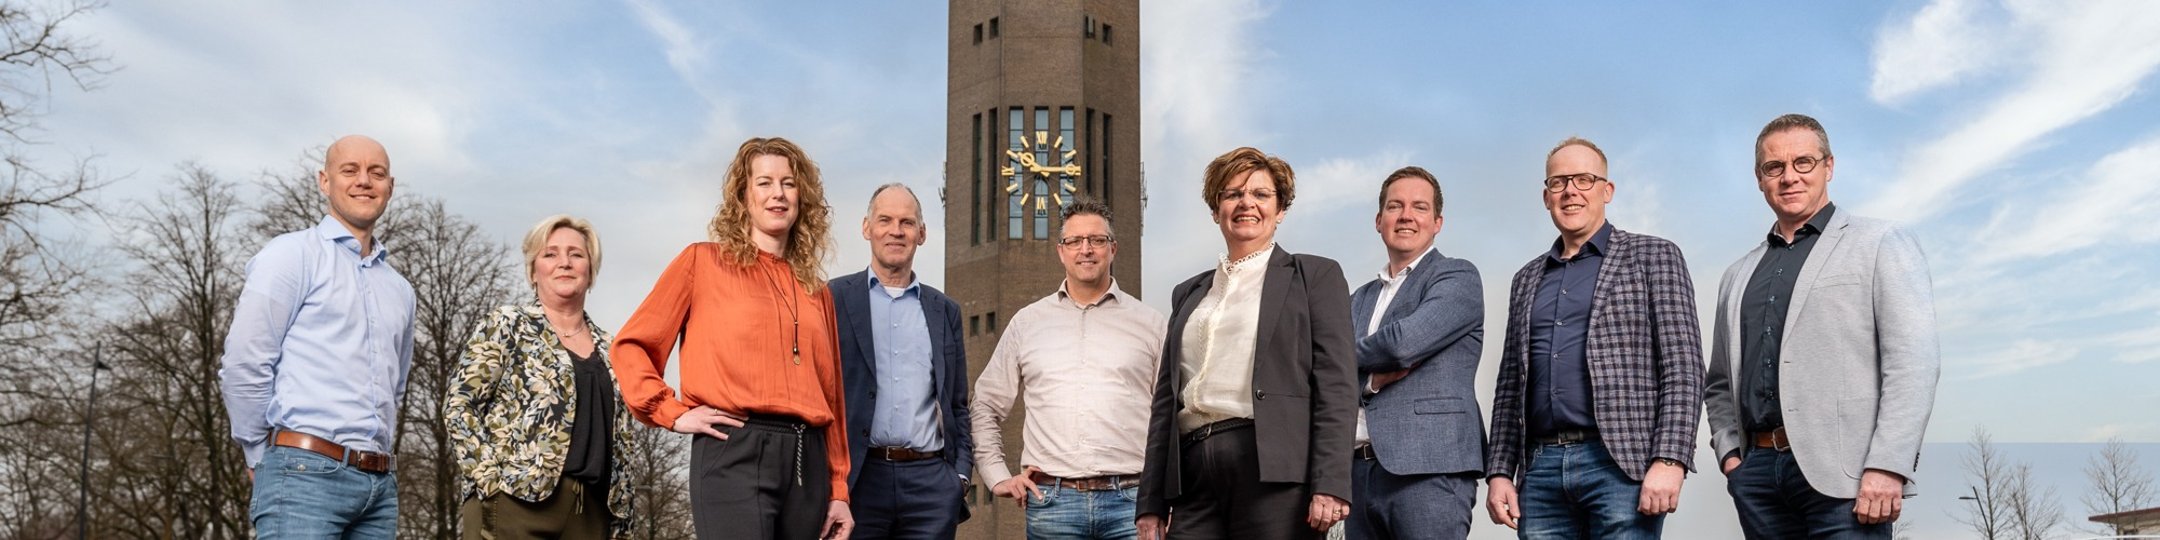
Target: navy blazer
1428, 422
858, 368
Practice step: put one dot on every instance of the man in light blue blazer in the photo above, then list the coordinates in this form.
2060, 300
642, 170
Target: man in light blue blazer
1421, 326
1823, 359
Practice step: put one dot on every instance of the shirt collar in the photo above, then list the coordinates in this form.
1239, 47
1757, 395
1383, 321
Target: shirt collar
1248, 263
913, 286
1109, 297
1406, 269
1815, 225
1596, 246
330, 229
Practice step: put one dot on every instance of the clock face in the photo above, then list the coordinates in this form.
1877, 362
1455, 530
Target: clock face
1042, 171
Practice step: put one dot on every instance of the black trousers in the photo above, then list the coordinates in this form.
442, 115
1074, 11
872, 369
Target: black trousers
768, 480
1224, 498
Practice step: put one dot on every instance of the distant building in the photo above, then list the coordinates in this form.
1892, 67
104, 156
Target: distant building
2145, 521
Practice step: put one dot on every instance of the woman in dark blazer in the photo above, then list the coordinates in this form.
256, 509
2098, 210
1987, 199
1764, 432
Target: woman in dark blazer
1255, 403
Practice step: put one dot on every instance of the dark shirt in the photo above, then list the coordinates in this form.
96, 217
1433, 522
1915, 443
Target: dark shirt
1762, 321
590, 431
1559, 395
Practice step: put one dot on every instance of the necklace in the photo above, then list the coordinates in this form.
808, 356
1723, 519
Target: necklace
574, 331
794, 322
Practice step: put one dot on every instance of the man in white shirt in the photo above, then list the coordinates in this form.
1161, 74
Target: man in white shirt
1088, 356
1421, 327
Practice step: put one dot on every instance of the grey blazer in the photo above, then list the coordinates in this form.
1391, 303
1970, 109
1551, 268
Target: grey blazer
1304, 401
1860, 359
1428, 422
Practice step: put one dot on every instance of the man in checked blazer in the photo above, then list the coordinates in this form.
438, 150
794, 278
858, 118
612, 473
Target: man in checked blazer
1823, 362
1600, 380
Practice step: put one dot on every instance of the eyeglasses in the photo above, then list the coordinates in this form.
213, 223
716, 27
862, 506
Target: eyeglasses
1258, 195
1581, 181
1095, 241
1802, 165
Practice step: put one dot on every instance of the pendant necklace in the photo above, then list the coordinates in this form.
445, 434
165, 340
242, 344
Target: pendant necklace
794, 322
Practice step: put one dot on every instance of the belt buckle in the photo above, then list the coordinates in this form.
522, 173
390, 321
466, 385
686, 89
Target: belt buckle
888, 450
1779, 441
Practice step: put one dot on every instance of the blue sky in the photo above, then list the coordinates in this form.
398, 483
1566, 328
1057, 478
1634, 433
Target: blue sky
2017, 138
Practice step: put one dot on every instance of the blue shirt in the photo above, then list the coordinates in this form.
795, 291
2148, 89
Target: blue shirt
1559, 325
906, 413
320, 343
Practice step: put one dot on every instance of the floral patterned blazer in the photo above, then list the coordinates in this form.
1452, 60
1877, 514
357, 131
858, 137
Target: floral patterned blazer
510, 409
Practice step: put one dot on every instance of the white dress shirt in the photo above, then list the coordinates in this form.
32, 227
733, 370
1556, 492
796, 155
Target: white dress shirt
1217, 357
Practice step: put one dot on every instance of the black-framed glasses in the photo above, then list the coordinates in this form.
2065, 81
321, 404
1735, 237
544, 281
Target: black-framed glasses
1261, 194
1802, 165
1094, 241
1581, 181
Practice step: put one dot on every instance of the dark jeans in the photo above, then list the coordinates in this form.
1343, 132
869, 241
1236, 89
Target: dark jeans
1224, 497
301, 494
768, 480
1575, 490
912, 499
1386, 505
1776, 502
573, 511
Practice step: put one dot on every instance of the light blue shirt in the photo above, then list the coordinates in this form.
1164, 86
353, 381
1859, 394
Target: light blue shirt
320, 343
906, 413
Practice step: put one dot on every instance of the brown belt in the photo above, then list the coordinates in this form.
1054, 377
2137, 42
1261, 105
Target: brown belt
1774, 440
901, 453
1092, 483
365, 461
1363, 451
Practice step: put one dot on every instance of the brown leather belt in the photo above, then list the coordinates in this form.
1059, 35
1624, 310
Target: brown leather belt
901, 453
1092, 483
1774, 440
365, 461
1364, 451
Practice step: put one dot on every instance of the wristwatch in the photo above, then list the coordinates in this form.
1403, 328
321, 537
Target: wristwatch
1669, 461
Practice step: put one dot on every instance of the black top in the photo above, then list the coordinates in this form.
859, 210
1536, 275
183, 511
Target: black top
1559, 398
591, 432
1762, 321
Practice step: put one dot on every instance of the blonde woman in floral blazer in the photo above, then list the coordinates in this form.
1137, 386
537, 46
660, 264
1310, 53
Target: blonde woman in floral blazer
541, 432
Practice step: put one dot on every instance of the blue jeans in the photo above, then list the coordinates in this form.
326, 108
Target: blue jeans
1577, 491
301, 494
1071, 514
1776, 501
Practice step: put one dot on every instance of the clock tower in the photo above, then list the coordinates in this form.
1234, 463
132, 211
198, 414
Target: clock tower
1042, 108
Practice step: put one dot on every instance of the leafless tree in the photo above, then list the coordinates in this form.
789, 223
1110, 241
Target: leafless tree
36, 278
1990, 474
2118, 483
2035, 513
659, 472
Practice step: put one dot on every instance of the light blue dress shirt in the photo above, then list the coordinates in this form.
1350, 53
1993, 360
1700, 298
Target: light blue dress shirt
320, 343
906, 413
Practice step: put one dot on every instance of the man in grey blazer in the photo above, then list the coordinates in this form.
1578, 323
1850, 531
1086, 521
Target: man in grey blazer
1421, 326
1823, 361
1600, 382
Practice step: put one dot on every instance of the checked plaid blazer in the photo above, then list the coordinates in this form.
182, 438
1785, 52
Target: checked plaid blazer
1644, 350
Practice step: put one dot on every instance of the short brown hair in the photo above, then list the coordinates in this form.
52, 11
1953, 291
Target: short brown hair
1089, 207
1412, 171
536, 241
1243, 160
1791, 121
809, 242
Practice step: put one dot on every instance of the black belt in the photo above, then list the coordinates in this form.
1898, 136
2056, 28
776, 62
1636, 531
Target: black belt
1567, 437
1364, 451
1203, 432
902, 453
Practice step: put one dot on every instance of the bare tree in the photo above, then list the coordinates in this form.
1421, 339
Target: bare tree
458, 276
2118, 483
1989, 474
660, 474
2035, 513
35, 279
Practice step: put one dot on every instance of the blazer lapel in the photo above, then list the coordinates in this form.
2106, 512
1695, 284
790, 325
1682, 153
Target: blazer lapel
1608, 275
1274, 291
1810, 271
1412, 287
1738, 284
1362, 304
851, 295
933, 316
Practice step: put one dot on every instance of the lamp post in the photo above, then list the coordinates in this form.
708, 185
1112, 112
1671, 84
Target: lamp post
82, 504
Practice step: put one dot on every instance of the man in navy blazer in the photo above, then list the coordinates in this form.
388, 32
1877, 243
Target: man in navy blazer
905, 371
1421, 327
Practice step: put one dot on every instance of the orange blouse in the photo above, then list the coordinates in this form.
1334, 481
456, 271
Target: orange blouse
736, 336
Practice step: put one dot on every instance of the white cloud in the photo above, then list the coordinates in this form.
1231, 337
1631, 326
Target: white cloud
2089, 211
1199, 62
2025, 354
1943, 41
2087, 58
1351, 182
